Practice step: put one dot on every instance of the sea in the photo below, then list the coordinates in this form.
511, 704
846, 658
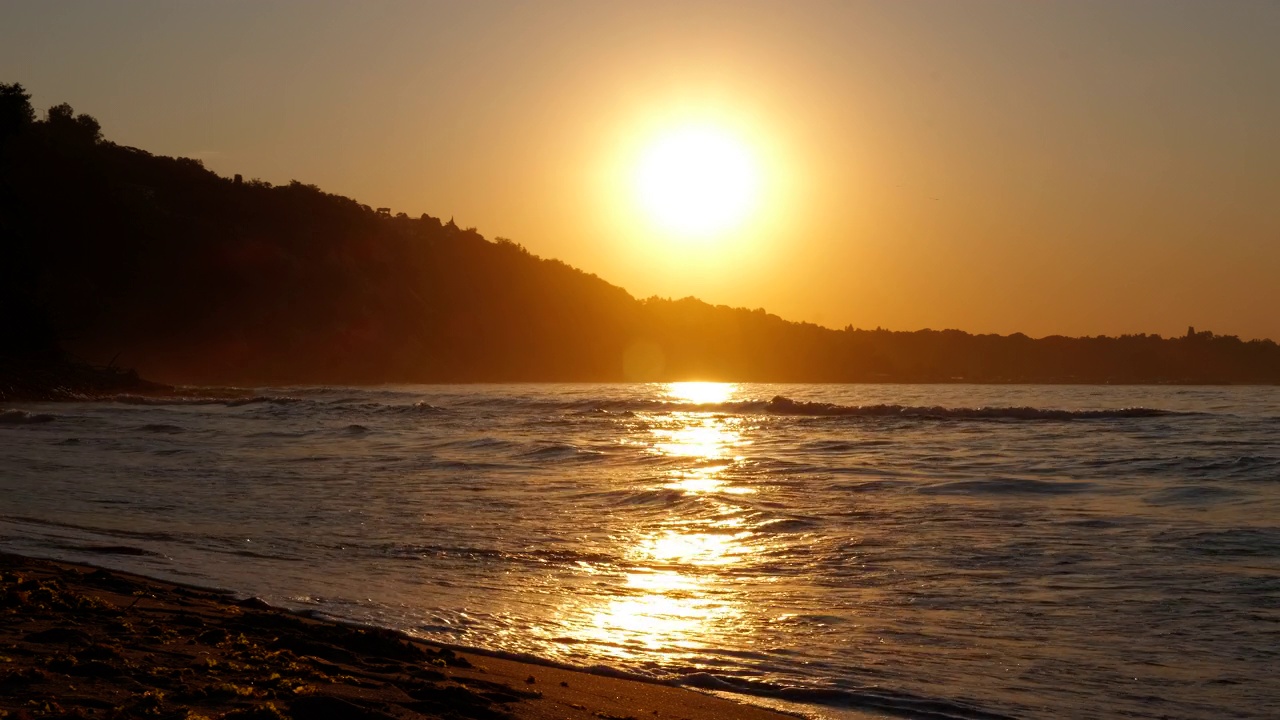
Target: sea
920, 551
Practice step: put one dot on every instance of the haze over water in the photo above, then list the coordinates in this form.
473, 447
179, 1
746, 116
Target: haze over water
927, 551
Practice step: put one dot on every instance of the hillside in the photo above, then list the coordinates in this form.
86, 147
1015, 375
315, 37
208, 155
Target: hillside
117, 255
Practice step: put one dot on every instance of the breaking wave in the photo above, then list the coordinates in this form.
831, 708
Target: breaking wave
22, 417
398, 403
780, 405
235, 401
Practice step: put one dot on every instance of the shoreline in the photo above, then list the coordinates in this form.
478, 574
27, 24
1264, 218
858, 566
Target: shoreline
79, 641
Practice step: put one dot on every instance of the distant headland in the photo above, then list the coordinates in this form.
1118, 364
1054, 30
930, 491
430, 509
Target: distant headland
128, 259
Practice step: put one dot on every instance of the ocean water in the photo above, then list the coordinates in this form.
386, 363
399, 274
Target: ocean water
916, 551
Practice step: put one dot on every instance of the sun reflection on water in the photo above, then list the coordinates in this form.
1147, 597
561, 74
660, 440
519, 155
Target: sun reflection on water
677, 599
656, 622
710, 438
713, 442
700, 550
705, 481
676, 588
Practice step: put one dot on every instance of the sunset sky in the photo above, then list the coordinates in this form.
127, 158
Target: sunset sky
1073, 168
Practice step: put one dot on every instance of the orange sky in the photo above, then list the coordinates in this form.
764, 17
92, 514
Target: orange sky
1050, 168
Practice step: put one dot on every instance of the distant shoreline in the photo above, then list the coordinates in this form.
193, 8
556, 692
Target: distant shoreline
145, 388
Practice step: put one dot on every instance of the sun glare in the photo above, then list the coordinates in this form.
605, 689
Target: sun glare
701, 393
697, 181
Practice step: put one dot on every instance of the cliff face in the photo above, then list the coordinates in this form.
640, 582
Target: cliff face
157, 262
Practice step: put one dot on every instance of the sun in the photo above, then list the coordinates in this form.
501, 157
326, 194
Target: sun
697, 181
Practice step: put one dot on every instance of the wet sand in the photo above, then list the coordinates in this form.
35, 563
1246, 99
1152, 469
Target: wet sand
82, 642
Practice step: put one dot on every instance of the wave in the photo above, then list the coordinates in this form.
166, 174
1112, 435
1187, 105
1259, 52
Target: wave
22, 417
661, 498
163, 428
1203, 467
878, 700
874, 700
1235, 542
785, 406
264, 399
483, 442
841, 446
93, 529
562, 451
793, 698
534, 556
114, 550
1196, 495
420, 407
780, 405
348, 405
201, 399
1249, 466
1006, 486
394, 403
787, 525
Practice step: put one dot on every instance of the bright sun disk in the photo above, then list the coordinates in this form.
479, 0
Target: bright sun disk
697, 181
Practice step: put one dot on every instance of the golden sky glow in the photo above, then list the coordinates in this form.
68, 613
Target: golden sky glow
1056, 167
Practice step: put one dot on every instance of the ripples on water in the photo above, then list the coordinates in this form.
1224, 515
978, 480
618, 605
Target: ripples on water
927, 551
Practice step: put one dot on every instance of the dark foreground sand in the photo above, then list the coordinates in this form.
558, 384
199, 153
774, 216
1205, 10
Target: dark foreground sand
81, 642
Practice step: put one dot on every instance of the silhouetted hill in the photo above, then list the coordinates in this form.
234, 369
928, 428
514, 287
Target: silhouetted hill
191, 277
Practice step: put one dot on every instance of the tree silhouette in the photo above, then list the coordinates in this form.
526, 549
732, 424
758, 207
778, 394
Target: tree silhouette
69, 128
16, 112
193, 277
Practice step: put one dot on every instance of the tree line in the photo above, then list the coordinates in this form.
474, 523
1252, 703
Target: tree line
119, 256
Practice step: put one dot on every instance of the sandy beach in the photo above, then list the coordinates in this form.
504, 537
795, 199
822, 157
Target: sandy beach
83, 642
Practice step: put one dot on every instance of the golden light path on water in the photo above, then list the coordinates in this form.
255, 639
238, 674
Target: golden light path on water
677, 591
